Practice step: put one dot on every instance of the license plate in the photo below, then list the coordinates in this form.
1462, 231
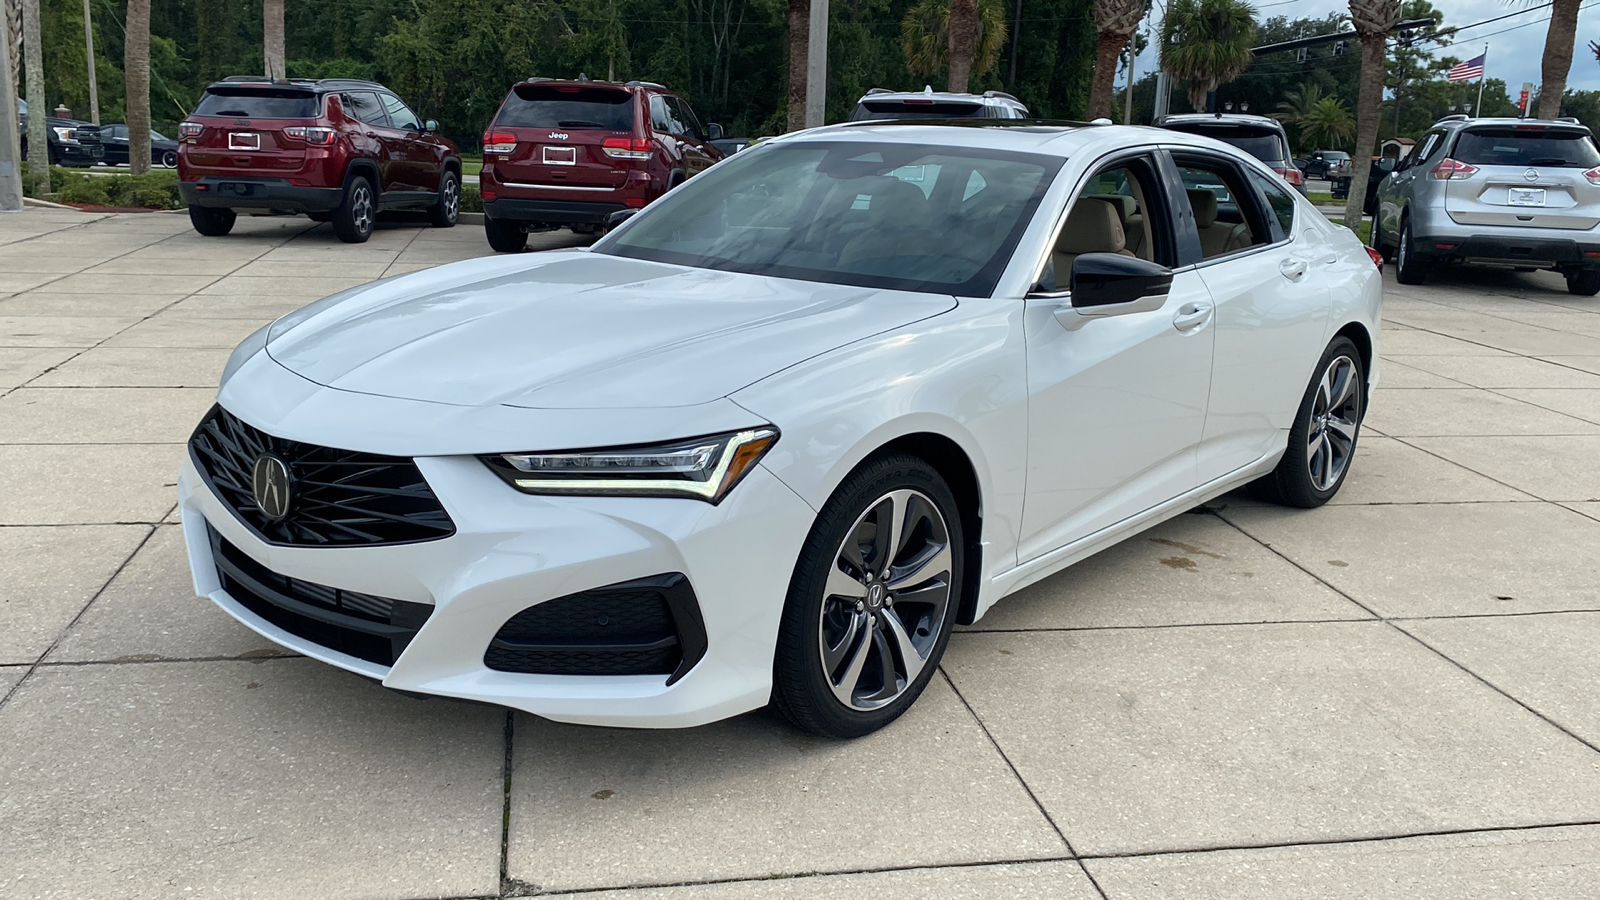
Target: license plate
244, 141
560, 156
1526, 197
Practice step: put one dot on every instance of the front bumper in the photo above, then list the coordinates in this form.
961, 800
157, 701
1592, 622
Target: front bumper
258, 193
511, 551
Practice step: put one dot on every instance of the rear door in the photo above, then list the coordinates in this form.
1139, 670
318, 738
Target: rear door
1529, 176
242, 129
561, 130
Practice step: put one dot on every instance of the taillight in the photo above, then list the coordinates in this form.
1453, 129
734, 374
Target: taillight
1292, 176
499, 142
1377, 257
626, 148
310, 134
1449, 168
190, 129
1593, 175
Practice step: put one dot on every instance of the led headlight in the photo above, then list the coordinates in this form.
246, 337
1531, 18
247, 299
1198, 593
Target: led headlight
705, 468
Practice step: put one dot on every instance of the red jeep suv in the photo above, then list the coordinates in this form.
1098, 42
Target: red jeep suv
337, 150
575, 152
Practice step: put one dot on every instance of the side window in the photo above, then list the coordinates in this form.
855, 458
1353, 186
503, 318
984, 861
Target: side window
1278, 201
1224, 212
687, 118
1118, 211
119, 133
399, 114
660, 118
363, 106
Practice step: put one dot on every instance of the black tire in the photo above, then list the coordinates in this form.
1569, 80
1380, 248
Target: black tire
505, 237
1584, 282
353, 221
1292, 482
169, 159
445, 210
802, 683
1409, 268
211, 221
1377, 241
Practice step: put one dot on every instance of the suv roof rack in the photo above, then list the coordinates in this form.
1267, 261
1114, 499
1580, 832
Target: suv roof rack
1001, 94
1458, 117
878, 90
644, 84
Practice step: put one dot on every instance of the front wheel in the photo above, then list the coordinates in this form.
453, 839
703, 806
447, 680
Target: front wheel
444, 211
872, 601
1408, 268
1322, 441
211, 221
505, 237
1584, 282
357, 213
169, 159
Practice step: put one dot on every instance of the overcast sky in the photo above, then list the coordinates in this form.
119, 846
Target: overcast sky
1516, 44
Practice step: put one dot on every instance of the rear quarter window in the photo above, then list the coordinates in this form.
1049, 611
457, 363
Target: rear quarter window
1526, 147
568, 107
258, 103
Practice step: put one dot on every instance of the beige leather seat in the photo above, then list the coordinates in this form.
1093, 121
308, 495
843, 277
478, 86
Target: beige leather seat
1216, 238
896, 211
1132, 221
1092, 226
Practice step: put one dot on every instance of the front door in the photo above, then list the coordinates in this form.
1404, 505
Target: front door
1117, 402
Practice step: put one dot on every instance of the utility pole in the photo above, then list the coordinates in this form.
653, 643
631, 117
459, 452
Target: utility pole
817, 65
38, 132
10, 140
88, 46
1016, 32
1127, 95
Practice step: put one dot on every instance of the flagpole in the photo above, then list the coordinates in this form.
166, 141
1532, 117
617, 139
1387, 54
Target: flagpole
1481, 76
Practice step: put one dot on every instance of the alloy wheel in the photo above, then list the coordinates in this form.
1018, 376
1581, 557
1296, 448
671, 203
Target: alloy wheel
886, 598
361, 208
1335, 416
452, 198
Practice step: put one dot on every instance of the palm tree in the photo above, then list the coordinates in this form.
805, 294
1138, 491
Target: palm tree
927, 39
1321, 121
1372, 20
1558, 43
12, 35
963, 42
272, 34
1115, 21
136, 81
33, 65
799, 56
1207, 43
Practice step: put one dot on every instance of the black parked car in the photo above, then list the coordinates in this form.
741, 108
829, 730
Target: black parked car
163, 150
72, 143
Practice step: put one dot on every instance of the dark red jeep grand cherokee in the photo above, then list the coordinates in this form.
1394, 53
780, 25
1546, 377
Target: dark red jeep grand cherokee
337, 150
575, 152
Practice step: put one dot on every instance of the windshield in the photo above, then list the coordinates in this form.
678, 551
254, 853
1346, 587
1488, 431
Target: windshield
898, 216
916, 109
1526, 147
567, 106
257, 103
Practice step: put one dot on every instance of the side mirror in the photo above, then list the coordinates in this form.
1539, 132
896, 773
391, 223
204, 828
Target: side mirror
430, 125
620, 216
714, 131
1110, 284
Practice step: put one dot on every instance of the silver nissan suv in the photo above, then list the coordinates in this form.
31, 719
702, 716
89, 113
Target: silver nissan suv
1520, 193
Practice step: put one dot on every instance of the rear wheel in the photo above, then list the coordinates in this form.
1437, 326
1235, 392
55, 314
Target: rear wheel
170, 159
1322, 441
444, 211
872, 601
211, 221
505, 237
357, 213
1408, 268
1584, 282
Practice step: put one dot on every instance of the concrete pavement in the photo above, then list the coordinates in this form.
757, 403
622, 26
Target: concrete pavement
1392, 696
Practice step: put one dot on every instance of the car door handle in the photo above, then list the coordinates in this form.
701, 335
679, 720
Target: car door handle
1293, 269
1191, 316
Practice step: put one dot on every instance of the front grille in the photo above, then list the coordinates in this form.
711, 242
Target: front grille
338, 497
650, 626
375, 629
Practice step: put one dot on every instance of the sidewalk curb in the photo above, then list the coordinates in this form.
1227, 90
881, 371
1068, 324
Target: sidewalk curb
46, 204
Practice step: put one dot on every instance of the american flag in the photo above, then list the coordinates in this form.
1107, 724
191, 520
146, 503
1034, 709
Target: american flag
1472, 68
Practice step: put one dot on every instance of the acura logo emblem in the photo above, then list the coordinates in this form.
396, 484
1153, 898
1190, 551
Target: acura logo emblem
270, 484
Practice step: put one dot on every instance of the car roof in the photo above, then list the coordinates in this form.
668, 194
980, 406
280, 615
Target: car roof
1510, 121
590, 82
1055, 138
1221, 119
926, 93
321, 85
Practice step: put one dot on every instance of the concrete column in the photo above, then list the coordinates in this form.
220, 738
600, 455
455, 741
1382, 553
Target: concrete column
10, 140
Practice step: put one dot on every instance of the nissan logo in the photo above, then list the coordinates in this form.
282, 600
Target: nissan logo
1531, 175
270, 484
558, 135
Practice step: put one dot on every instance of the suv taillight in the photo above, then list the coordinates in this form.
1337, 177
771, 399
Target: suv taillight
1449, 168
1292, 176
626, 148
499, 142
190, 129
310, 134
1593, 175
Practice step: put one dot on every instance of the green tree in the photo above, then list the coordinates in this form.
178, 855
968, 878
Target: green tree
1115, 21
1320, 121
1372, 20
1207, 43
926, 39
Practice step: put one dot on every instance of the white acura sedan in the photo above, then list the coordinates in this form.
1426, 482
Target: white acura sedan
770, 440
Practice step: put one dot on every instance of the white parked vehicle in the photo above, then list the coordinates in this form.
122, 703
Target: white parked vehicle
772, 438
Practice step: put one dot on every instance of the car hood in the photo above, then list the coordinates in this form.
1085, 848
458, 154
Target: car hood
577, 330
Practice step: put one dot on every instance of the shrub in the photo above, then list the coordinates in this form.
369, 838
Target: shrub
153, 190
471, 200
